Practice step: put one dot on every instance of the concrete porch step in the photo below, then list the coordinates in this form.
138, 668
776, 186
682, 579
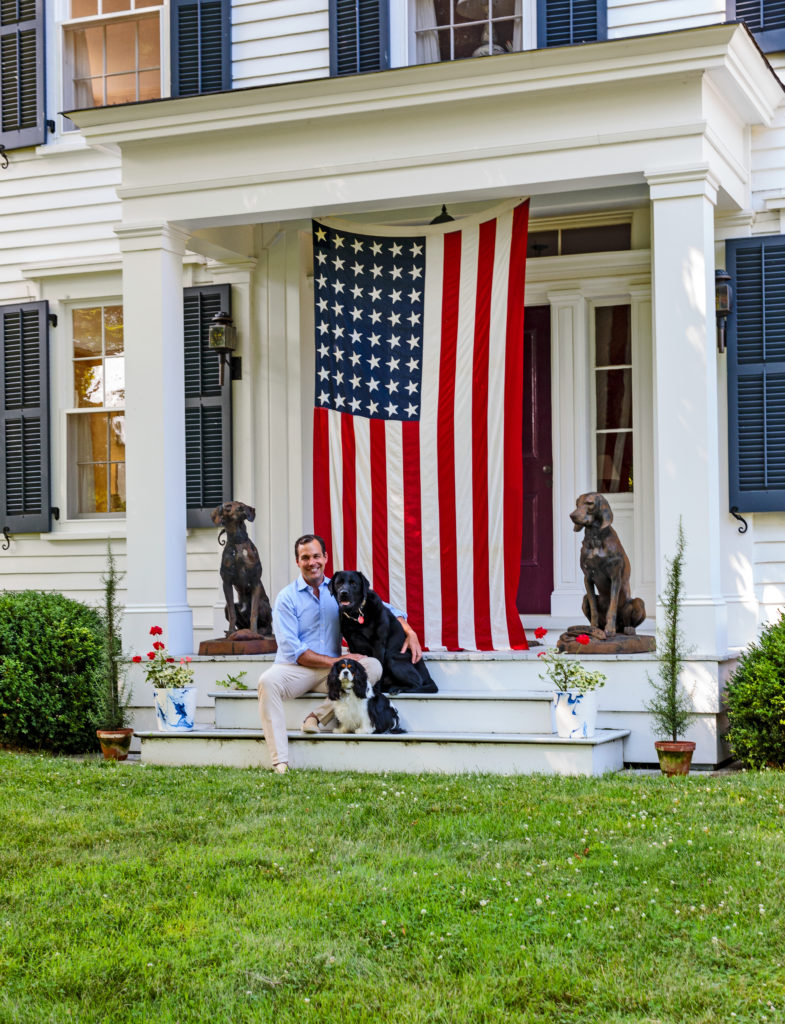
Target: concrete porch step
493, 753
454, 712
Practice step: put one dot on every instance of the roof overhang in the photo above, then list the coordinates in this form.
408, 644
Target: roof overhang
593, 116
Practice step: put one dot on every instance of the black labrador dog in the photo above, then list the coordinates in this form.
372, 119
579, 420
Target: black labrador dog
370, 628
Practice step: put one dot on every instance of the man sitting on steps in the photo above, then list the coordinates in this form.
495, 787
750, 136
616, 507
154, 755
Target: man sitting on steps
307, 629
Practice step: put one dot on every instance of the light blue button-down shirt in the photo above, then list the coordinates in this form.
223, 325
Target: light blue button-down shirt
301, 622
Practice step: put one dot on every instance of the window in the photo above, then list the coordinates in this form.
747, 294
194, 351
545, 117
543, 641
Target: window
96, 426
114, 53
455, 29
613, 399
756, 374
764, 18
573, 241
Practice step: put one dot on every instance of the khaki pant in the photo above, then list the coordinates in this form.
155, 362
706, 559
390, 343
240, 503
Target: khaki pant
285, 682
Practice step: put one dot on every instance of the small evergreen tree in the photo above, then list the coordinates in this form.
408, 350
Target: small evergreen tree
670, 706
115, 698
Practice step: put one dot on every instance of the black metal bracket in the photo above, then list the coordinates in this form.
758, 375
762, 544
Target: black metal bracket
53, 319
7, 535
735, 513
3, 157
51, 125
55, 512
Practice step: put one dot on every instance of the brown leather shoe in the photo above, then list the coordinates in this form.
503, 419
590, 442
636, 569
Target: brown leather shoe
311, 723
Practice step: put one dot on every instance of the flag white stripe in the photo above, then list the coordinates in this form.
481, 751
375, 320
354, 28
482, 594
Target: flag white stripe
362, 445
396, 559
336, 488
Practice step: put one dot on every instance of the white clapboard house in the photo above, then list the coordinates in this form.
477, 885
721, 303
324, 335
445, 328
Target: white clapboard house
204, 136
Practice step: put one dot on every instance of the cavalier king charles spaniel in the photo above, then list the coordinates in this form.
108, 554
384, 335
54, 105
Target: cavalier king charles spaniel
358, 706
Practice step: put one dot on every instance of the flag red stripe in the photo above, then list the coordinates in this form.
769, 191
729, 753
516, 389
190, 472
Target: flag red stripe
415, 610
445, 435
349, 495
322, 520
482, 322
513, 416
381, 572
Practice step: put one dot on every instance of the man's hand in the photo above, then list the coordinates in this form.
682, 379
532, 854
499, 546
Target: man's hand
411, 643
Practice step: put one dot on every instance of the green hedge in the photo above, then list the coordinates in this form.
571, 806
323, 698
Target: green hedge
51, 657
756, 701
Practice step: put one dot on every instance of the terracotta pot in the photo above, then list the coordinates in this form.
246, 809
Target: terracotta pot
114, 743
675, 758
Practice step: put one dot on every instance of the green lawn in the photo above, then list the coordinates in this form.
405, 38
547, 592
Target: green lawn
130, 893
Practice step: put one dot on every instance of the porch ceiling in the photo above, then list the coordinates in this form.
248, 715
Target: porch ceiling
592, 118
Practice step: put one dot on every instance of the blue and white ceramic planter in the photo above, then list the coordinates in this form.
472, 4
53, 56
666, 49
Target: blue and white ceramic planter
175, 708
574, 714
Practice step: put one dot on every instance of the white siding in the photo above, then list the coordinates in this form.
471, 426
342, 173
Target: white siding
647, 16
279, 41
769, 564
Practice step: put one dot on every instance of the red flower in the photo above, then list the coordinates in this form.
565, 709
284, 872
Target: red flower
170, 660
137, 658
583, 639
156, 631
540, 632
158, 646
151, 655
187, 659
541, 654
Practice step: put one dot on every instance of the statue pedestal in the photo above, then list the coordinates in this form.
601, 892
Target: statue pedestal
243, 642
599, 643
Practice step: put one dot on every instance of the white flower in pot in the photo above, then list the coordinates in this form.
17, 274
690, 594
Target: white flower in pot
575, 697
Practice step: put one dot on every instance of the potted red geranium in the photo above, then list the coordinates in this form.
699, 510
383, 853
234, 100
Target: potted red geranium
575, 696
174, 695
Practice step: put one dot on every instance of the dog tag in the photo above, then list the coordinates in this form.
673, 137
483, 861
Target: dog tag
361, 619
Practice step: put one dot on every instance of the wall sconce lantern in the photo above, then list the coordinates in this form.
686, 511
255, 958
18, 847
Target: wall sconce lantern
222, 339
723, 297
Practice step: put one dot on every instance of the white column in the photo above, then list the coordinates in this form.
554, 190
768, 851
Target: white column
686, 439
155, 437
572, 460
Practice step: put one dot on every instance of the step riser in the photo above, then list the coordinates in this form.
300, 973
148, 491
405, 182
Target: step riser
409, 757
417, 715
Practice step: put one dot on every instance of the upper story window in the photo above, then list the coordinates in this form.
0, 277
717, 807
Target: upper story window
613, 399
454, 29
114, 53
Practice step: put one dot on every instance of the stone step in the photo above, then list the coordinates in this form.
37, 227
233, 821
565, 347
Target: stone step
459, 712
455, 753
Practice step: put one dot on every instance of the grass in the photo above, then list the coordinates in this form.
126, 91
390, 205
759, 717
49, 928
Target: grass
179, 895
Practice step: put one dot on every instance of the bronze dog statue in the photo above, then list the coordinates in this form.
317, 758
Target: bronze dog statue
241, 570
606, 569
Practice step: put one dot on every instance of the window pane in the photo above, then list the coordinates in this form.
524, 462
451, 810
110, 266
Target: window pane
120, 47
114, 377
614, 399
83, 8
120, 89
113, 329
87, 332
117, 438
614, 463
542, 243
88, 48
88, 383
604, 238
117, 487
149, 43
612, 335
149, 85
114, 6
89, 92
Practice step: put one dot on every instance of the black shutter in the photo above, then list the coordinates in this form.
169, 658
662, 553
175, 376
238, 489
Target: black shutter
208, 408
24, 418
563, 22
359, 36
201, 46
756, 374
766, 18
22, 119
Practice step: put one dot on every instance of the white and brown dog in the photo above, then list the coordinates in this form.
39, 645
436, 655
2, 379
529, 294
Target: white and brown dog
358, 706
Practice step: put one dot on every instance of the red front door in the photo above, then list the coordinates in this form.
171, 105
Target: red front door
536, 580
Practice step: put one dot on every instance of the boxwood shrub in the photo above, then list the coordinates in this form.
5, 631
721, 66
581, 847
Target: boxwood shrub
756, 701
51, 656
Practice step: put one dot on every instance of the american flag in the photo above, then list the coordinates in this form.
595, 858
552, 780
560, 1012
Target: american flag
418, 418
